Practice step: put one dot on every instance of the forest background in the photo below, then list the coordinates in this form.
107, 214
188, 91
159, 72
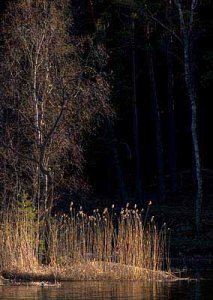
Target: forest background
109, 102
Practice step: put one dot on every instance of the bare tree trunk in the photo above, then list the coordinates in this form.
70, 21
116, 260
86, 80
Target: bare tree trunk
117, 164
138, 178
171, 110
84, 16
186, 30
156, 113
171, 107
157, 118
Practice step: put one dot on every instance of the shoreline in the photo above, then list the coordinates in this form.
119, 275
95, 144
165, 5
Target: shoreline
93, 271
53, 276
99, 271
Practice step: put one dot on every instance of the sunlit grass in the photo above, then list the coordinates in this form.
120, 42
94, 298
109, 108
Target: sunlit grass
105, 244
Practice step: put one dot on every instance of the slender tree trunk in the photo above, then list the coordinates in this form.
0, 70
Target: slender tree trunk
172, 132
156, 113
157, 118
117, 164
37, 124
171, 107
84, 16
137, 160
186, 30
91, 15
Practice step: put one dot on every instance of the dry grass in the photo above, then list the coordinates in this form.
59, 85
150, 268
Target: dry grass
104, 245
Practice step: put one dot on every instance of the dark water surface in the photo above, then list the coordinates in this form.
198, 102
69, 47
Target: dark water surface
93, 290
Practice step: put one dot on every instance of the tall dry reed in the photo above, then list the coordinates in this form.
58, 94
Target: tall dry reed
101, 245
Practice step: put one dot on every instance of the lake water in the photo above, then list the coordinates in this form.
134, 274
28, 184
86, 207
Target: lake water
93, 290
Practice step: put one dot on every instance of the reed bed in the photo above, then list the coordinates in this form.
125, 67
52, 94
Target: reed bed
75, 246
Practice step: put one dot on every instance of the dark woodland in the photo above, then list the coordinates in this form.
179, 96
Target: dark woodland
118, 111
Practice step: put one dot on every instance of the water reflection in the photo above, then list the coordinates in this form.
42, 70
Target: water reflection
111, 290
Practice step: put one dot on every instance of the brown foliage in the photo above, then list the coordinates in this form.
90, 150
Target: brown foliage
54, 92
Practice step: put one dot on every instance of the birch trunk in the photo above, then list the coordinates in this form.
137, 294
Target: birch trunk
186, 30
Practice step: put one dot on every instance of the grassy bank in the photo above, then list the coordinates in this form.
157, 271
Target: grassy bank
104, 245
